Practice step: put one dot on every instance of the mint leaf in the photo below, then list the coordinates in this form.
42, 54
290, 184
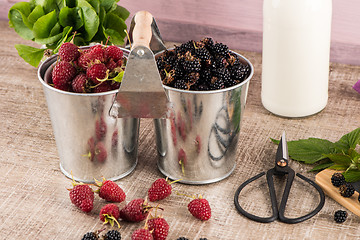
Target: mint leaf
70, 17
309, 150
350, 140
321, 166
119, 77
36, 13
31, 55
338, 167
121, 12
339, 159
352, 175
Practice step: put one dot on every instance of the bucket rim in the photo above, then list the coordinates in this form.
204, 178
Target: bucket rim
213, 91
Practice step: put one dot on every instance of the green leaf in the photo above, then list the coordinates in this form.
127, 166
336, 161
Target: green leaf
350, 140
65, 35
352, 175
70, 17
95, 4
43, 26
338, 167
121, 12
18, 14
321, 166
49, 40
339, 158
119, 77
48, 5
109, 5
114, 28
90, 19
31, 55
309, 150
36, 13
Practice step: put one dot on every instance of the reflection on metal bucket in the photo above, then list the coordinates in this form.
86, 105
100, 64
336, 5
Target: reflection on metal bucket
91, 144
197, 143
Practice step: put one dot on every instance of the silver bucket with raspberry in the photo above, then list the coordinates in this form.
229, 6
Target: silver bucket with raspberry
199, 141
91, 144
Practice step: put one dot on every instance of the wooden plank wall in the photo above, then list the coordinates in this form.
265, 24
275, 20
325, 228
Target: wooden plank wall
237, 23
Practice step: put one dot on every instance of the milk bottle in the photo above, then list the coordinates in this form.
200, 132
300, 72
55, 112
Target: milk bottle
296, 49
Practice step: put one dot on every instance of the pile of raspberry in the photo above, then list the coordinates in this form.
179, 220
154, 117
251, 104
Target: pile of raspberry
201, 66
92, 70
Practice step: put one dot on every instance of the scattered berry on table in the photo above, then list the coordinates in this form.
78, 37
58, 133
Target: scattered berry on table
110, 191
347, 190
160, 189
110, 213
142, 234
182, 238
82, 196
340, 216
90, 236
158, 227
203, 239
68, 52
135, 211
338, 179
200, 208
112, 235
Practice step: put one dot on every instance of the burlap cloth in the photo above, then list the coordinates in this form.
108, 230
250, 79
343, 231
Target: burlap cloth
34, 202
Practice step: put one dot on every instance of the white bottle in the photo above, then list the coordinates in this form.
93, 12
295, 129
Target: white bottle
296, 50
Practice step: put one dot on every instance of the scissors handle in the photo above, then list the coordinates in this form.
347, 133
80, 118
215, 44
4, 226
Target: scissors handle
278, 213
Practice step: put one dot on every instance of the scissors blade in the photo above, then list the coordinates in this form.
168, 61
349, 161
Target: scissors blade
282, 151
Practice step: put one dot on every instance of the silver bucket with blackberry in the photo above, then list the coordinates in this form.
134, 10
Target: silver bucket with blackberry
91, 143
207, 85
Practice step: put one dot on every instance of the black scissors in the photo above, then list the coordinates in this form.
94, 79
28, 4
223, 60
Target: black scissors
281, 168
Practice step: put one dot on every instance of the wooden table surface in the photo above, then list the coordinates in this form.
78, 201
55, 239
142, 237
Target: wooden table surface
35, 204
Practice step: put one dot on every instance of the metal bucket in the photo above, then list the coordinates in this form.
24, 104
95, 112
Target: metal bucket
91, 144
197, 144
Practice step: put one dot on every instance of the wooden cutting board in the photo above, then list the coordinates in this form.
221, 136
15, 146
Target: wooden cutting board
323, 179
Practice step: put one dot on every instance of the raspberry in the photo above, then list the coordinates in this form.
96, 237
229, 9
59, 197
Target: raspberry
62, 74
110, 191
82, 196
114, 53
85, 59
104, 87
337, 179
141, 234
340, 216
110, 214
90, 236
96, 72
112, 235
98, 53
100, 152
135, 211
69, 52
80, 84
200, 208
159, 190
347, 190
159, 228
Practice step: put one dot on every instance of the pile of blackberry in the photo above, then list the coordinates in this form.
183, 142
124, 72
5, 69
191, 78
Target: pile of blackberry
201, 66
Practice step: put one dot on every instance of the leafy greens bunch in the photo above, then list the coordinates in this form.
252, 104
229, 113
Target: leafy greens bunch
340, 155
53, 22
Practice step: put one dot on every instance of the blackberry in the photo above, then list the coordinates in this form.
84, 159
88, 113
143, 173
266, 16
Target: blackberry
337, 179
192, 78
233, 59
185, 47
203, 239
191, 63
205, 75
221, 49
90, 236
181, 84
179, 69
160, 63
347, 190
216, 83
340, 216
220, 62
203, 54
223, 73
208, 42
182, 238
239, 72
112, 235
